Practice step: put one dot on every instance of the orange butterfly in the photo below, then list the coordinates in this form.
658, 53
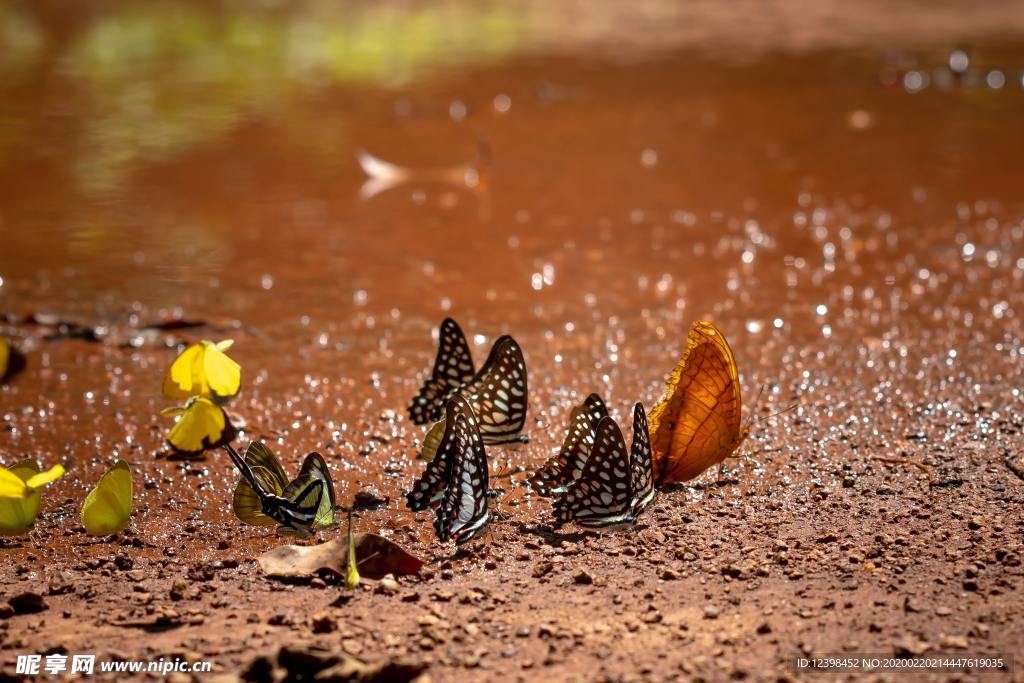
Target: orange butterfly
697, 423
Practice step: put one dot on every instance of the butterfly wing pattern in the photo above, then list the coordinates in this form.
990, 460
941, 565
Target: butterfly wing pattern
498, 393
266, 469
295, 515
603, 495
697, 423
567, 465
455, 481
315, 467
453, 367
463, 512
202, 425
429, 488
640, 464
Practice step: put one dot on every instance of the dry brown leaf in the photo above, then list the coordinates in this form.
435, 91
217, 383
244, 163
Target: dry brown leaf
375, 555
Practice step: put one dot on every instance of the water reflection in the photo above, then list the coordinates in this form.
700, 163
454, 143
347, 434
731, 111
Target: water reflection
155, 81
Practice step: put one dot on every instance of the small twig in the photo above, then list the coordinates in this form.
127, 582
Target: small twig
905, 461
1017, 467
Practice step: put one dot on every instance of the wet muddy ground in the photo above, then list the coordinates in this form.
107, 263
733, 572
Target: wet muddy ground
847, 212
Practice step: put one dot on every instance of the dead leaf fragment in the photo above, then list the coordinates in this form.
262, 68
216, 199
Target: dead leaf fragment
375, 555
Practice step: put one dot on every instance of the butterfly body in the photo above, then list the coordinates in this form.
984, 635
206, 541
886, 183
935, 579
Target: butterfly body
698, 421
455, 482
603, 495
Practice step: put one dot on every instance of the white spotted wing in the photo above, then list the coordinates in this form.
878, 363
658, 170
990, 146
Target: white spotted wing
463, 512
603, 495
498, 393
567, 465
429, 488
453, 367
640, 462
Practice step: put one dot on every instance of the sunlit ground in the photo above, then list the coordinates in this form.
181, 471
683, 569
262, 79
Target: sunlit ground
837, 187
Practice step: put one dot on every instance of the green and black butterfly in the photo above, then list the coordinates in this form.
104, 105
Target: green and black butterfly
455, 481
615, 485
567, 465
497, 393
265, 497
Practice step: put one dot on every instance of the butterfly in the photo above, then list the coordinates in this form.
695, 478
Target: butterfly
455, 481
497, 395
107, 509
615, 485
299, 507
19, 495
453, 367
201, 425
5, 356
11, 360
203, 369
567, 465
641, 464
248, 502
603, 495
697, 423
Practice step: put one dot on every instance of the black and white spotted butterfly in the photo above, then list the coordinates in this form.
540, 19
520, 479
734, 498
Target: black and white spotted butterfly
453, 367
640, 462
455, 481
615, 485
498, 396
567, 465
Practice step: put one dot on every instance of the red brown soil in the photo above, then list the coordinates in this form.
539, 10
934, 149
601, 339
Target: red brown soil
860, 245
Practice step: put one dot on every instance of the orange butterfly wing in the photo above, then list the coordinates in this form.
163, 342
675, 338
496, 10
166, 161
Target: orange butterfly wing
697, 423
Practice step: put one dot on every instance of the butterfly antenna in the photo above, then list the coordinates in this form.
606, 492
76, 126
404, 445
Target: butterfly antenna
237, 460
788, 408
906, 461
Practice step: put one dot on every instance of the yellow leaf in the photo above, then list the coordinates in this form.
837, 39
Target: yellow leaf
351, 572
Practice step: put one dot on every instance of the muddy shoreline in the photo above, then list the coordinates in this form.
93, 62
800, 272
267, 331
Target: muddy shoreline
854, 229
